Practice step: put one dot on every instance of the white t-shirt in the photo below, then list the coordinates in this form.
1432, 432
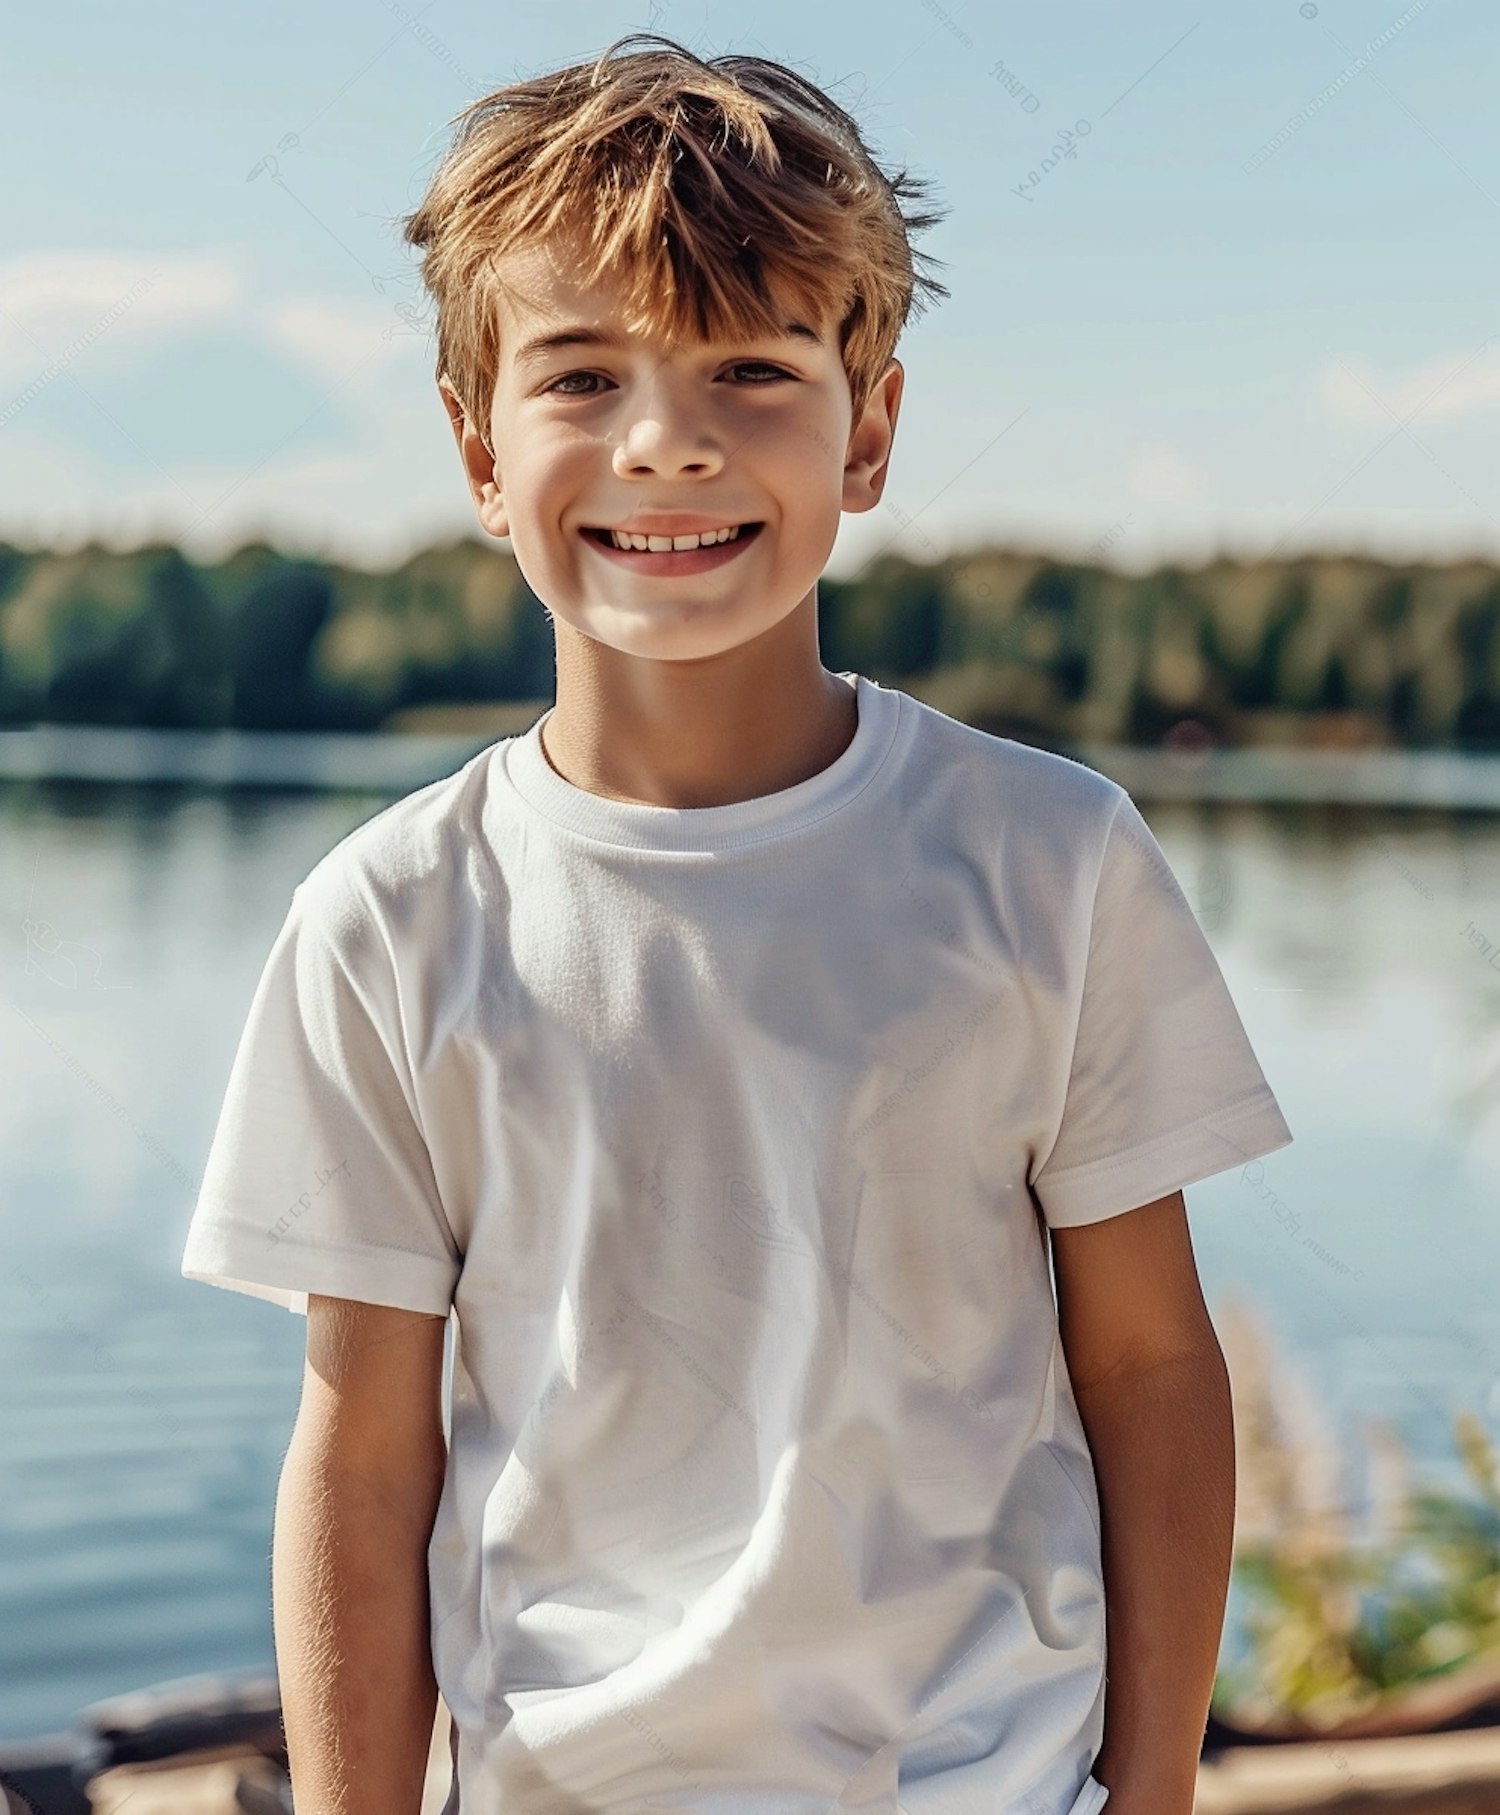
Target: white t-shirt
729, 1133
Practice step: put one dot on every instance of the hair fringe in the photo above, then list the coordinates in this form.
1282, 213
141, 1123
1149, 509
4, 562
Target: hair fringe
723, 190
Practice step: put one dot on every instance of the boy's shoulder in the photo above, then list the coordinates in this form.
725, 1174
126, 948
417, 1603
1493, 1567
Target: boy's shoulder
1029, 784
407, 852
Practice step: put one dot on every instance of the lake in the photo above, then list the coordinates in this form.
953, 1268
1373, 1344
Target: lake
146, 1415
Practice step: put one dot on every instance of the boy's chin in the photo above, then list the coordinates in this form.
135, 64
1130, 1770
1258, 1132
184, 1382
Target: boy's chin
655, 630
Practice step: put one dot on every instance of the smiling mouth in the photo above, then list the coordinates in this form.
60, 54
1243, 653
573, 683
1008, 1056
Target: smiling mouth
605, 539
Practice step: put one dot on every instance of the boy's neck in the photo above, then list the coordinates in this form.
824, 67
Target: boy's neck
702, 734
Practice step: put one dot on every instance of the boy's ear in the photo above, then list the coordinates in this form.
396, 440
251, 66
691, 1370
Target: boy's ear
868, 461
480, 466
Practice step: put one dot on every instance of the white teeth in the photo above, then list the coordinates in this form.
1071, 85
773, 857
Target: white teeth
661, 544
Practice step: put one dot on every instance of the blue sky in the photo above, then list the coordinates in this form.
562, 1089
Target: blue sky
1258, 313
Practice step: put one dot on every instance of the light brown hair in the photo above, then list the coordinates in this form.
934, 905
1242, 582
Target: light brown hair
724, 191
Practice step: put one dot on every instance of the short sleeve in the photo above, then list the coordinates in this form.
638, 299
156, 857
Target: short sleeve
318, 1178
1164, 1087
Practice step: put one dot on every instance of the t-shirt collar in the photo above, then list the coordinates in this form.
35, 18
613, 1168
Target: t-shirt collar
741, 823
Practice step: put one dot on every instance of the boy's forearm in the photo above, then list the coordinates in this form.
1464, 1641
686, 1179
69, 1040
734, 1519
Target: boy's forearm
1162, 1441
353, 1644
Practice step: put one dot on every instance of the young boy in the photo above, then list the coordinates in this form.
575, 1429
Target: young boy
729, 1053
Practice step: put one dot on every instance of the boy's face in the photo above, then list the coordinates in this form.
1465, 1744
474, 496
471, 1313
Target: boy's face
586, 437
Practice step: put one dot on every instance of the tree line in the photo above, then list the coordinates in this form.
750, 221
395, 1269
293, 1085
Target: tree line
1328, 648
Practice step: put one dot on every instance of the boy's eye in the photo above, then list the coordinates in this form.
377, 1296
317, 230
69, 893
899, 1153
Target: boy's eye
738, 366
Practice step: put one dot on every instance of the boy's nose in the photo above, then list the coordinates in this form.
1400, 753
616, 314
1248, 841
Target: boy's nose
667, 444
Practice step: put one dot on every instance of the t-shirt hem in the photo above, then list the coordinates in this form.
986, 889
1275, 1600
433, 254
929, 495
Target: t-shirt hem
222, 1251
1230, 1137
1090, 1799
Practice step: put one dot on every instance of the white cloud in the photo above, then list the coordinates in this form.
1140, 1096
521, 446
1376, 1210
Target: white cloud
1456, 384
113, 311
54, 303
55, 306
329, 337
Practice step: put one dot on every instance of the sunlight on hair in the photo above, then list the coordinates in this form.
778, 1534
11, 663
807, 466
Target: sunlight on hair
724, 191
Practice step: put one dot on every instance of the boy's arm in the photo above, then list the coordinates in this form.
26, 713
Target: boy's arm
1153, 1395
354, 1513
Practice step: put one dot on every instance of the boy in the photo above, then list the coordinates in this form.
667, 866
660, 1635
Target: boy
728, 1052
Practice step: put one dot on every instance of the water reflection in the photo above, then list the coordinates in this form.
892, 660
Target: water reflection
1360, 943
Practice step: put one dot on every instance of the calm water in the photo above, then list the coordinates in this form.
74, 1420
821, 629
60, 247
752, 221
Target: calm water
145, 1416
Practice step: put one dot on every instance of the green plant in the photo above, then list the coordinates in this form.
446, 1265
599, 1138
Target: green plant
1339, 1620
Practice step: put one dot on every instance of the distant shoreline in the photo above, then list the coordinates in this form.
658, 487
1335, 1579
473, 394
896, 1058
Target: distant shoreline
392, 763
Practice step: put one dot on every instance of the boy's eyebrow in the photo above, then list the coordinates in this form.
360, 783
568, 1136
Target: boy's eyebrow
531, 351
